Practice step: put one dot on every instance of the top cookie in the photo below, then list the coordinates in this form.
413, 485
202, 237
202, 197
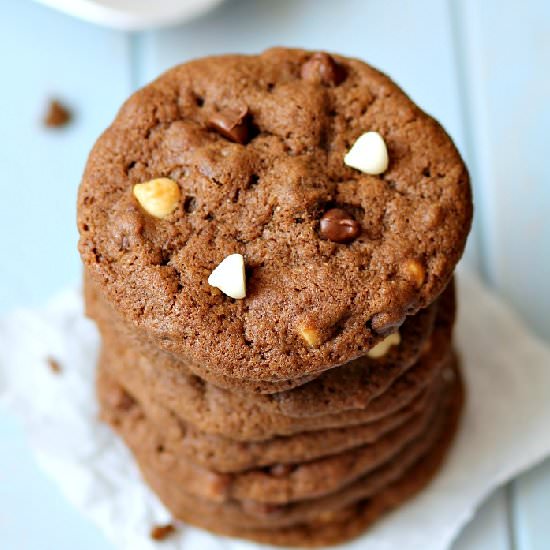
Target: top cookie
251, 149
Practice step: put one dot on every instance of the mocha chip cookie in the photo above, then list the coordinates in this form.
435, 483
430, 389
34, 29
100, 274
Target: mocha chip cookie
291, 482
272, 216
351, 385
328, 519
225, 455
218, 412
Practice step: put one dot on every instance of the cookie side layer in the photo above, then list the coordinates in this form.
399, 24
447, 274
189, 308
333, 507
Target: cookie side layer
331, 519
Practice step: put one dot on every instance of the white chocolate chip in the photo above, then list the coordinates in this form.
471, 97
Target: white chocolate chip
414, 271
368, 154
311, 336
384, 346
230, 277
158, 197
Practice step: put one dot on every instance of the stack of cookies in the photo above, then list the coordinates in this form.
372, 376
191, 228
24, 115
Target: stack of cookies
269, 243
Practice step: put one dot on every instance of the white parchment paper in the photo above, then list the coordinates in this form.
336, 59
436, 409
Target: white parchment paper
504, 430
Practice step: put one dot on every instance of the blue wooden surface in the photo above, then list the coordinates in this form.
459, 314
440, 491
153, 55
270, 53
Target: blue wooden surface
481, 67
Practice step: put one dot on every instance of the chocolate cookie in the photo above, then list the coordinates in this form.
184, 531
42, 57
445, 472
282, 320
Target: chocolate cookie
336, 385
347, 387
219, 412
245, 158
281, 485
326, 520
225, 455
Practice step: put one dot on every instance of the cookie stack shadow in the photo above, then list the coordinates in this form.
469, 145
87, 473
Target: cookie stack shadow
303, 462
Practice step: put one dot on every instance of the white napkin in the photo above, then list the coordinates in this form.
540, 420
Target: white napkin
504, 429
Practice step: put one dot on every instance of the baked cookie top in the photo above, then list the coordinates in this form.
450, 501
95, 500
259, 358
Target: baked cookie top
326, 241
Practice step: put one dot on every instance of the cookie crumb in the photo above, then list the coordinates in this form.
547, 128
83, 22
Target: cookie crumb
162, 532
54, 365
57, 115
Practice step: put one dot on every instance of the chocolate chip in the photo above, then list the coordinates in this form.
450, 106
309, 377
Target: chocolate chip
338, 226
321, 67
162, 532
234, 125
57, 115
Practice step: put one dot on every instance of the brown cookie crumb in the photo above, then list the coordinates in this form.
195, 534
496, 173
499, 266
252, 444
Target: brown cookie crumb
54, 365
57, 115
162, 532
